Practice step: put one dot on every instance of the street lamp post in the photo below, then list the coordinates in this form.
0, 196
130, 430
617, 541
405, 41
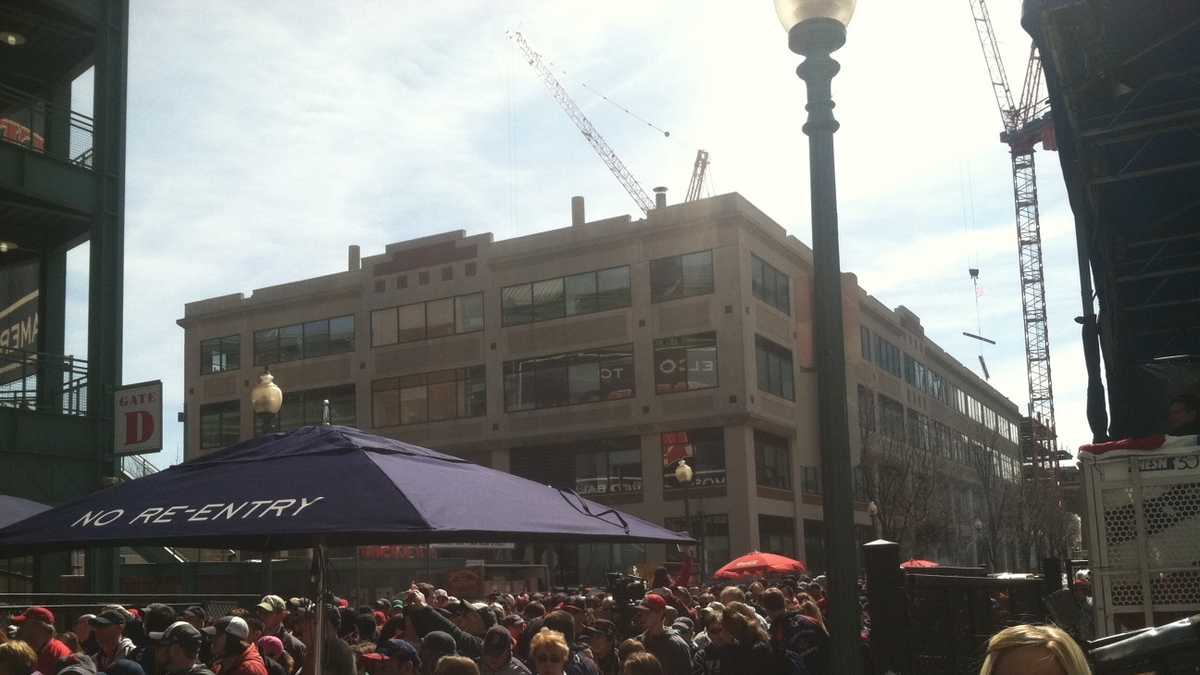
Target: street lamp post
817, 28
684, 476
266, 398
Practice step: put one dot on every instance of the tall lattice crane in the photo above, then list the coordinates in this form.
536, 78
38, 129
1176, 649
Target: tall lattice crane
699, 169
1025, 124
607, 154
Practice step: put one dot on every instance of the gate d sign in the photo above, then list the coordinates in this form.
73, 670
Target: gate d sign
137, 418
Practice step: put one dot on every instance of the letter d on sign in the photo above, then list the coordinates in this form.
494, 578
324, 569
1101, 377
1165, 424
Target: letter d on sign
139, 426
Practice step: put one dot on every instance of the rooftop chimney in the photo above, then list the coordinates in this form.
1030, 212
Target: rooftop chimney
355, 258
577, 217
660, 197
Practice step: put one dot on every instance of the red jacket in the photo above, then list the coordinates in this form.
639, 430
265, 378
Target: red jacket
50, 654
249, 663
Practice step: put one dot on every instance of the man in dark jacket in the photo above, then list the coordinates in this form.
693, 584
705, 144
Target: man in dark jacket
664, 643
273, 610
797, 636
156, 618
498, 656
578, 662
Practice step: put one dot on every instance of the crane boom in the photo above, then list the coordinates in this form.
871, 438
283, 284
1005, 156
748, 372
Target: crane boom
1022, 130
602, 148
698, 171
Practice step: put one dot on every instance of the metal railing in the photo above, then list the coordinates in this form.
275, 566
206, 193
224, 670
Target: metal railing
50, 383
136, 466
25, 118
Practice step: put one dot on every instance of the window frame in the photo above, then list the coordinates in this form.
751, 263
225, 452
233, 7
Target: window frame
222, 409
596, 295
763, 442
775, 354
682, 284
206, 368
549, 369
659, 345
768, 289
329, 341
463, 379
455, 315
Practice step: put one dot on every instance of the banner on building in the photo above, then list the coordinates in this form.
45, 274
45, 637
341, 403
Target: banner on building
137, 418
18, 319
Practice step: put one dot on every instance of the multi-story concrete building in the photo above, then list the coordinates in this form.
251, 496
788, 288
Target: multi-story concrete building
595, 357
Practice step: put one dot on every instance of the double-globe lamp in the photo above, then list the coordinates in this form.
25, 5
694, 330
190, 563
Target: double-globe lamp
817, 28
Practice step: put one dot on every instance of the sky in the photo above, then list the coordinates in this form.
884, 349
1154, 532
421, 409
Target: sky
260, 135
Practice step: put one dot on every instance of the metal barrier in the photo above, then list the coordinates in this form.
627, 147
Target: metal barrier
27, 118
67, 607
135, 466
43, 382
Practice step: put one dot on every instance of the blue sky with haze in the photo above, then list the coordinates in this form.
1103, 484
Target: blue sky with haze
262, 134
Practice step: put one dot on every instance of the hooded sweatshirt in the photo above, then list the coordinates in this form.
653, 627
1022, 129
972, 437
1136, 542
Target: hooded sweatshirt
249, 662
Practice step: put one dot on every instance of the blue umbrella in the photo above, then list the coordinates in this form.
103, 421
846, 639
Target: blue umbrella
13, 509
329, 485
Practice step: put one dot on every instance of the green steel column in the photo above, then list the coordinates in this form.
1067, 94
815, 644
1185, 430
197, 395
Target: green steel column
52, 301
816, 39
107, 237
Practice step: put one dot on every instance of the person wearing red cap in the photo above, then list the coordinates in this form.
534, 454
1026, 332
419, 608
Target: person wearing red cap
37, 628
664, 643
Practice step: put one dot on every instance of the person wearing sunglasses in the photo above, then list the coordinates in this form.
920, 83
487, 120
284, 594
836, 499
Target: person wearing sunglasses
548, 652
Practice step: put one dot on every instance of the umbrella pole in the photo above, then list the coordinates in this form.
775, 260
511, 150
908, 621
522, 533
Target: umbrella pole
319, 632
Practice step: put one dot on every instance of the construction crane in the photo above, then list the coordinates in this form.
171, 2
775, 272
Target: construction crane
607, 155
1025, 124
698, 171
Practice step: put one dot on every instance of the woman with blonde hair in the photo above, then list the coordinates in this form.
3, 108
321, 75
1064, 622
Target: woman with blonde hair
17, 658
549, 652
1034, 650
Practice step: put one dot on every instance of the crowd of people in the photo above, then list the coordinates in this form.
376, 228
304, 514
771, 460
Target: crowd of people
668, 629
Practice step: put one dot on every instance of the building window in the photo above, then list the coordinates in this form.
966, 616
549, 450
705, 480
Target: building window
712, 533
423, 277
402, 281
425, 320
772, 461
886, 355
704, 450
307, 407
864, 341
218, 355
892, 418
770, 285
685, 363
774, 368
866, 410
220, 424
304, 340
584, 293
429, 397
587, 376
447, 273
610, 467
469, 269
860, 483
918, 431
777, 535
681, 276
810, 480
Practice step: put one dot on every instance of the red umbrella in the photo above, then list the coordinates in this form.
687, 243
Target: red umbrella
758, 565
913, 564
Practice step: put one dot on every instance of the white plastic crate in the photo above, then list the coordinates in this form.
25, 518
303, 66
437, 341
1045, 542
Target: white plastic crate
1144, 523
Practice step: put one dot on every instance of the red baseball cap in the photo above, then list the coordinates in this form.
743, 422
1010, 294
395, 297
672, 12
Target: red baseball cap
653, 602
39, 614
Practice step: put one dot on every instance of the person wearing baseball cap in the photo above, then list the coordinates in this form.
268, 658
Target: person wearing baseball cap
37, 628
177, 650
497, 658
664, 643
233, 651
392, 657
274, 611
108, 627
602, 641
156, 617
